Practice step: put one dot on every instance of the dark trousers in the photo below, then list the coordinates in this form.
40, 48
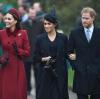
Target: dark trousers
28, 74
95, 96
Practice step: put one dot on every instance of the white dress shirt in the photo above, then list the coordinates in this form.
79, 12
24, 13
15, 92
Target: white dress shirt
90, 31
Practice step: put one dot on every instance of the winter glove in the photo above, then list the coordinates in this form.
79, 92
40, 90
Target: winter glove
4, 60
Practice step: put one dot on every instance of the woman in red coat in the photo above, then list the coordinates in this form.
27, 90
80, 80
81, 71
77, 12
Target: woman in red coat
15, 46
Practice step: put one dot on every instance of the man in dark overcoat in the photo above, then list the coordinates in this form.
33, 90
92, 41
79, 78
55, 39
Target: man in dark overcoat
84, 53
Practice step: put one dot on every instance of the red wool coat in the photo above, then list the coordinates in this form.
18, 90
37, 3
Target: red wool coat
12, 75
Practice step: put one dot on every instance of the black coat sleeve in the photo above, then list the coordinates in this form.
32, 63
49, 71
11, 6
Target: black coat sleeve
71, 48
36, 52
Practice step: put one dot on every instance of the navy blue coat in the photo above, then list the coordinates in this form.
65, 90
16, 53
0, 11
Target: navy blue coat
87, 63
51, 87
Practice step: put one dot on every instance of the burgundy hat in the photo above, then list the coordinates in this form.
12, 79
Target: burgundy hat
15, 13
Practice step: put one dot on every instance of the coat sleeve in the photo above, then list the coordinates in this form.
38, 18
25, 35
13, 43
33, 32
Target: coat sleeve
71, 48
25, 50
0, 36
65, 46
71, 43
37, 55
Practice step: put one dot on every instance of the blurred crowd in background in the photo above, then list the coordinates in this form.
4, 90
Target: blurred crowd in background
68, 11
23, 7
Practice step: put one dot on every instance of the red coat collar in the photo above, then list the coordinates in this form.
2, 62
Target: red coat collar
14, 33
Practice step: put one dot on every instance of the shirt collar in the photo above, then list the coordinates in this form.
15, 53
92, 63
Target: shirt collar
90, 28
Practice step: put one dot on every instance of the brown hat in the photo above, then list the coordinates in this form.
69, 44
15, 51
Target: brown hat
15, 13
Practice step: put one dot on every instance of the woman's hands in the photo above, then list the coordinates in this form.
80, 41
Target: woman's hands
46, 58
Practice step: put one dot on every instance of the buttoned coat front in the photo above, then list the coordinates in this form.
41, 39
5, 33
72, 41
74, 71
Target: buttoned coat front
87, 63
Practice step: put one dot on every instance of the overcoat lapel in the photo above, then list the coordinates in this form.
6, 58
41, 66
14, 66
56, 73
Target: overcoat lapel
93, 35
83, 36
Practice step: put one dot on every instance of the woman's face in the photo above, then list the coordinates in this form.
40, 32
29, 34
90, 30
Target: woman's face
9, 20
48, 26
